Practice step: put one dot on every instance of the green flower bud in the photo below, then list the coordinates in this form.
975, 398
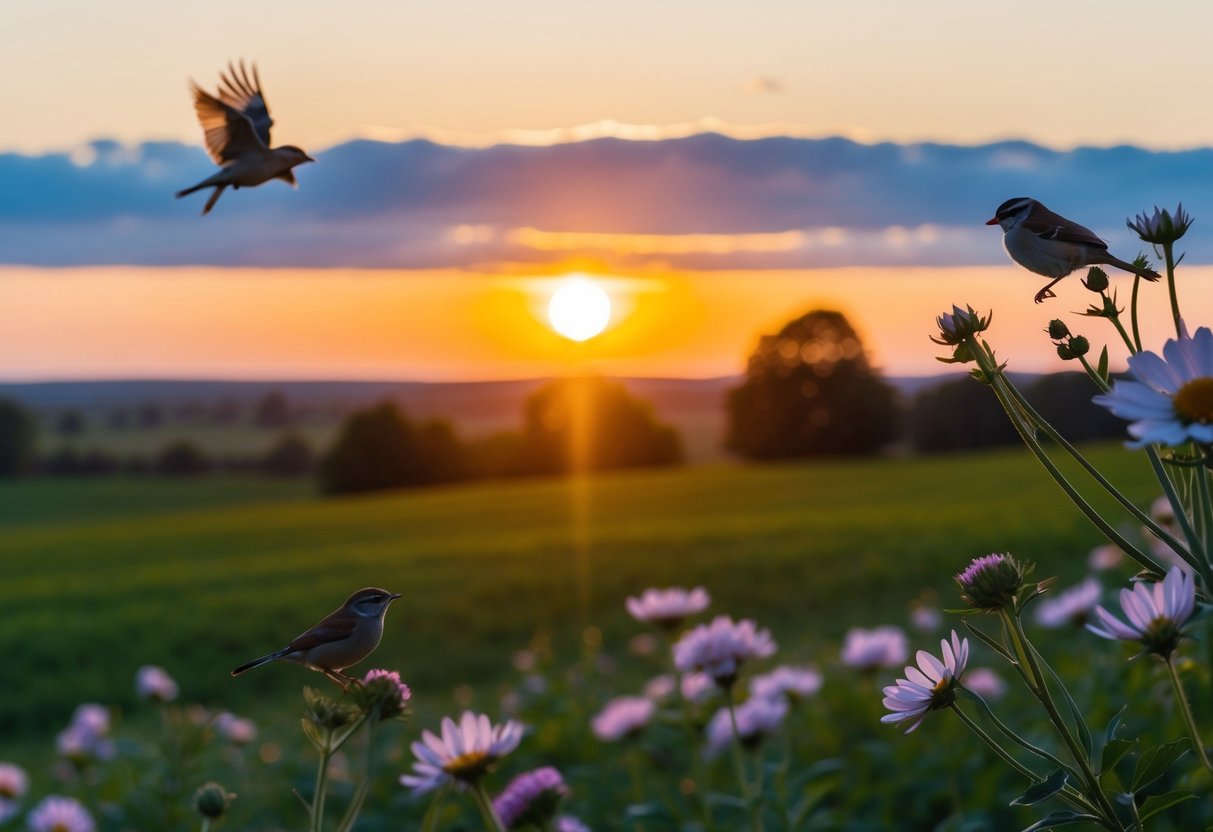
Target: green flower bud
1097, 279
211, 800
992, 582
1058, 329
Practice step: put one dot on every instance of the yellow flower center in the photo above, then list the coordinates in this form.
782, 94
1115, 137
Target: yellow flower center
1193, 402
469, 766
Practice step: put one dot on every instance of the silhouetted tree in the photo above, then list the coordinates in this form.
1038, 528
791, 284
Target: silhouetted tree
273, 411
181, 458
619, 430
380, 448
959, 415
18, 437
810, 391
291, 456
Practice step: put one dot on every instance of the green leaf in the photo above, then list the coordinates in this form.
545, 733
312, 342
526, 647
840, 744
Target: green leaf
1062, 817
1155, 762
1102, 369
988, 641
1043, 790
1113, 752
1158, 802
1113, 725
1084, 733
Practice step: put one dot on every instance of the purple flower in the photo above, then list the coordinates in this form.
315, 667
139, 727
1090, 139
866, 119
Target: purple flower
383, 693
14, 783
668, 608
464, 753
531, 799
786, 682
879, 647
757, 718
624, 716
985, 682
153, 682
1162, 226
60, 814
1155, 613
928, 687
719, 649
234, 729
568, 823
85, 739
1169, 400
1072, 607
991, 582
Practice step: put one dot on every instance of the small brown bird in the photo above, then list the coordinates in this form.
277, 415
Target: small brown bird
345, 637
237, 126
1049, 244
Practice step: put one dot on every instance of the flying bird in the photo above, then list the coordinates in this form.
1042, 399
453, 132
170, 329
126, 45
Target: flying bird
1051, 245
237, 126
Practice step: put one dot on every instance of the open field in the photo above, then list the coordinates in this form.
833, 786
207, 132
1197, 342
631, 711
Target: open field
102, 576
134, 574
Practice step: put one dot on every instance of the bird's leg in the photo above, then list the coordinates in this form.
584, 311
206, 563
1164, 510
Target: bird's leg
1047, 292
337, 677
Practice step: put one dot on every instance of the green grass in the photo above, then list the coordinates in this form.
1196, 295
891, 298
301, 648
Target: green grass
101, 577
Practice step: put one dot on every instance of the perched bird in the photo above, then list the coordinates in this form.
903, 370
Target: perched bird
345, 637
237, 127
1050, 244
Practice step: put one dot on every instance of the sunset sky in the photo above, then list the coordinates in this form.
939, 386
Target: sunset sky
860, 148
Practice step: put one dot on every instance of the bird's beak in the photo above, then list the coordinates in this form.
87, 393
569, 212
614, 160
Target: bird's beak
992, 222
307, 158
396, 595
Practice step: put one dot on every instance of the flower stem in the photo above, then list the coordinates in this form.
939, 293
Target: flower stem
351, 813
1181, 699
994, 746
491, 821
1135, 344
739, 764
1040, 687
322, 776
1168, 253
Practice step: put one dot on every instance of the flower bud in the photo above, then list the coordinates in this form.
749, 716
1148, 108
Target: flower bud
1162, 226
959, 325
1097, 279
211, 800
992, 582
1079, 346
1058, 329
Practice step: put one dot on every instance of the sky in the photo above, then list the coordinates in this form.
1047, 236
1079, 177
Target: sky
721, 167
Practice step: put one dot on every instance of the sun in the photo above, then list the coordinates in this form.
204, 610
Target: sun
579, 308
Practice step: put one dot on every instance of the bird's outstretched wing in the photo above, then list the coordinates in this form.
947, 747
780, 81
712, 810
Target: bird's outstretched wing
229, 132
239, 89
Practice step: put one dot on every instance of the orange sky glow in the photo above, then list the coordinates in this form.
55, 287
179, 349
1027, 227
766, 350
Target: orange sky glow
126, 322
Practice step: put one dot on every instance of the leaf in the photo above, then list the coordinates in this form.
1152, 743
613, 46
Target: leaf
1158, 802
1113, 725
1155, 762
643, 811
1062, 817
1102, 369
1043, 790
1113, 752
989, 641
1084, 733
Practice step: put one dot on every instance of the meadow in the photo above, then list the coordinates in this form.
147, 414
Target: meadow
103, 576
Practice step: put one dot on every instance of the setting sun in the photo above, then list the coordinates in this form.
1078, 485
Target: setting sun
579, 309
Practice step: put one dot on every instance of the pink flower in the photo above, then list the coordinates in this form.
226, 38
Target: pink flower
720, 648
60, 814
668, 608
153, 682
1156, 613
878, 647
464, 753
928, 687
531, 799
624, 716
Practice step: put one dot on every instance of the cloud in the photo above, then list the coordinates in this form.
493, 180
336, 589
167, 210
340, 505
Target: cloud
700, 201
762, 85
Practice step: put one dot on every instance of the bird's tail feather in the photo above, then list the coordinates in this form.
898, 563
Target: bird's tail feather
210, 203
1148, 274
259, 662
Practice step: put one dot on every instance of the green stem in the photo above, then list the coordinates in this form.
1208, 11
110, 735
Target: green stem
322, 776
739, 764
1181, 699
206, 825
1040, 687
491, 821
1135, 344
1138, 515
1025, 433
1168, 253
355, 807
634, 774
684, 708
994, 746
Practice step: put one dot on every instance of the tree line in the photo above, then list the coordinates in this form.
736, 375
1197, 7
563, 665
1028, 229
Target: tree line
809, 391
